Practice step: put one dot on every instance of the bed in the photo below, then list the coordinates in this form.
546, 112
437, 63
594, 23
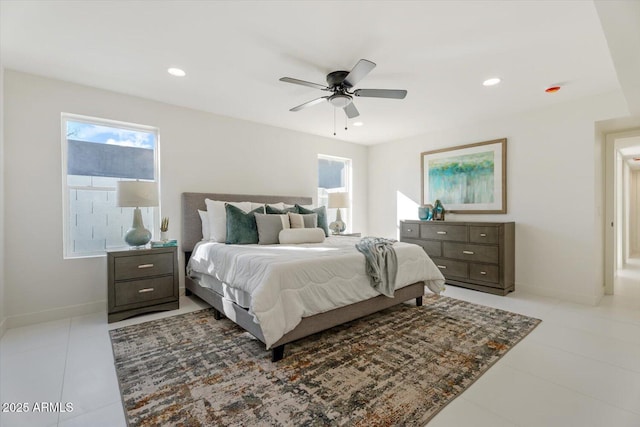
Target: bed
297, 322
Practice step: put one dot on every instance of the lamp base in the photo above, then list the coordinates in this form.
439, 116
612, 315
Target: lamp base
338, 226
137, 235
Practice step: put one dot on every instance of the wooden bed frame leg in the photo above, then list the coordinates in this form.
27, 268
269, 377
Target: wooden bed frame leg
277, 353
216, 314
419, 301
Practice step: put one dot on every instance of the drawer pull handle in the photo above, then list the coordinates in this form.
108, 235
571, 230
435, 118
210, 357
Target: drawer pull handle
467, 252
441, 266
484, 273
483, 234
441, 232
145, 290
145, 266
409, 230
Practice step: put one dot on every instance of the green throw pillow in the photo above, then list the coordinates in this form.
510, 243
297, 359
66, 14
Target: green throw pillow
275, 211
241, 225
322, 216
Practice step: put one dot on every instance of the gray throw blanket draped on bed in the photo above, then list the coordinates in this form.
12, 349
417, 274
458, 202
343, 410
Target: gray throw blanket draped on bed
382, 263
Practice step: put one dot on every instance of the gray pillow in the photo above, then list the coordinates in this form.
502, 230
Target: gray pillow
269, 227
303, 220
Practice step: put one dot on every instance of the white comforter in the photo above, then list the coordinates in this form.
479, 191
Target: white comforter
289, 282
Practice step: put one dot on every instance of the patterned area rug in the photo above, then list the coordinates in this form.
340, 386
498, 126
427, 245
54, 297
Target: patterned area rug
397, 367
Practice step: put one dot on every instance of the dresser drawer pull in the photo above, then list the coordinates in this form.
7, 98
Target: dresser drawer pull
441, 232
145, 290
409, 230
483, 234
145, 266
441, 266
484, 273
467, 252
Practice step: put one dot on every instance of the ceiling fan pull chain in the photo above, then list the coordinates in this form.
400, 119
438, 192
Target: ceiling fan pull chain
345, 122
334, 122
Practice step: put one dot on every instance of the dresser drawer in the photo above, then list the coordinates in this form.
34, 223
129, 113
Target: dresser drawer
132, 267
484, 272
409, 230
478, 234
432, 248
468, 252
456, 233
143, 290
450, 268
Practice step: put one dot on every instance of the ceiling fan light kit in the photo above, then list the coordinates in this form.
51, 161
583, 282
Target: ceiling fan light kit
341, 84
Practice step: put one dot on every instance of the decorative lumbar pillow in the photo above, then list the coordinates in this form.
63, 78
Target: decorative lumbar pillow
322, 216
241, 226
273, 209
269, 227
204, 218
303, 220
301, 235
218, 217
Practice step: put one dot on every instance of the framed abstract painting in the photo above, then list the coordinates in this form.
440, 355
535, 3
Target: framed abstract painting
468, 178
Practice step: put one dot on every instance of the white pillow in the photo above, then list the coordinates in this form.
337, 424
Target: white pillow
279, 205
204, 217
301, 235
218, 217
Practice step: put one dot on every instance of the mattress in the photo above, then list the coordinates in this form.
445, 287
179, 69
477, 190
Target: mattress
289, 282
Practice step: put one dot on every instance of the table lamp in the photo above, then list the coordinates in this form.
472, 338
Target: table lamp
136, 194
338, 200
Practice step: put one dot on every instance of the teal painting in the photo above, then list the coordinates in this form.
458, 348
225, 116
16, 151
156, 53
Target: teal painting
467, 178
462, 179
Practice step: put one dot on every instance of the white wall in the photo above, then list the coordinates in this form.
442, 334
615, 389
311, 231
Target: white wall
554, 185
199, 152
634, 213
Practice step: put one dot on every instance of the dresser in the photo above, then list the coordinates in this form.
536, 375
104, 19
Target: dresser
474, 255
141, 281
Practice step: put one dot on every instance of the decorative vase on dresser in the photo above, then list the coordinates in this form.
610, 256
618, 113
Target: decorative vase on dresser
474, 255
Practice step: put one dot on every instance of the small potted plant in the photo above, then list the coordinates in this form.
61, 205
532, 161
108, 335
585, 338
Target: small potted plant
164, 229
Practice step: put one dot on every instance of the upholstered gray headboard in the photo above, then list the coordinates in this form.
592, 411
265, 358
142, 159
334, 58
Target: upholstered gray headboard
191, 202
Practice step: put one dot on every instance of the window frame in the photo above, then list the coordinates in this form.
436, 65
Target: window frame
346, 212
66, 211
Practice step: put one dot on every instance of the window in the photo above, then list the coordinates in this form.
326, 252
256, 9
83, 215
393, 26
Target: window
334, 175
96, 154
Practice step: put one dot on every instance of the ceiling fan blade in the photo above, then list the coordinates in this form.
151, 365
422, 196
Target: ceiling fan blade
309, 103
303, 83
351, 110
381, 93
361, 69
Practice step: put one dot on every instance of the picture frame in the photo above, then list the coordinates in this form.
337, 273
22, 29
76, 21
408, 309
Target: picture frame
468, 178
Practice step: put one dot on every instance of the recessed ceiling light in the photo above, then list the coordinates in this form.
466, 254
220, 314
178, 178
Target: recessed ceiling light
176, 72
358, 123
491, 82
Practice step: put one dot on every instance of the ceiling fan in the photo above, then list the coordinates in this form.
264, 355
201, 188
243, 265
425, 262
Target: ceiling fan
341, 83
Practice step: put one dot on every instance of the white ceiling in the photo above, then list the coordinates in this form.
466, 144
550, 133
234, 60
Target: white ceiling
235, 52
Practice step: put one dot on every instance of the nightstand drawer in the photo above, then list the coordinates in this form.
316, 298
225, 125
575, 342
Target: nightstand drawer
457, 233
143, 290
132, 267
484, 272
480, 253
451, 268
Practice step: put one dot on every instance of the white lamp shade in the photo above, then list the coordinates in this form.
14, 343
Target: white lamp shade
136, 194
339, 200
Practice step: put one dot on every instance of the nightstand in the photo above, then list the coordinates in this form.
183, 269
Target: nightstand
141, 281
348, 234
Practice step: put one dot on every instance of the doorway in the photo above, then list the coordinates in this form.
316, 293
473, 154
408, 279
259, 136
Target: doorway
622, 245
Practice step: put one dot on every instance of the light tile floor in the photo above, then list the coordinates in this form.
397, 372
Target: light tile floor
580, 367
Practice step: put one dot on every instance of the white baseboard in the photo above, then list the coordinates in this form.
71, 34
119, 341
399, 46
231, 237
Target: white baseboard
54, 314
552, 292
